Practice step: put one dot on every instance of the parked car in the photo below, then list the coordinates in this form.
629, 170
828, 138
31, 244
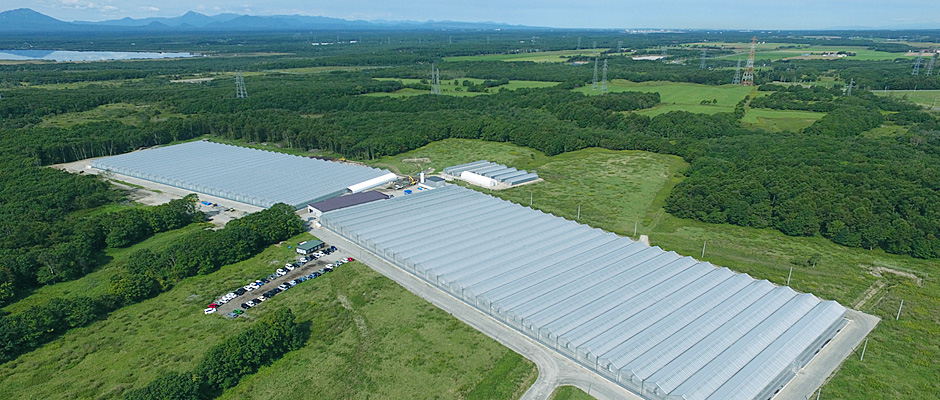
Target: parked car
213, 305
350, 259
304, 260
238, 312
244, 306
232, 315
259, 299
283, 287
240, 291
251, 304
209, 310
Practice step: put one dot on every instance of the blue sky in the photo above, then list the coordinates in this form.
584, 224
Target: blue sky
689, 14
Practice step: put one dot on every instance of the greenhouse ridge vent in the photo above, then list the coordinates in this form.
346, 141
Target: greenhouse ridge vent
659, 324
257, 177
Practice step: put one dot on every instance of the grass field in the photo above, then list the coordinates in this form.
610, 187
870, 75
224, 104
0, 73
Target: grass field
615, 189
569, 393
129, 114
926, 98
681, 96
780, 120
449, 88
385, 343
450, 152
543, 56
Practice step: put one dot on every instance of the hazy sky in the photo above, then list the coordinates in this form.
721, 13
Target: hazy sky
733, 14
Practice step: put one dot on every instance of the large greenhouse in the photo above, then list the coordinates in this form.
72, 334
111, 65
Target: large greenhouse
257, 177
661, 325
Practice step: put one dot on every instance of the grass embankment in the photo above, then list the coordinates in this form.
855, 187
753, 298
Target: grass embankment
569, 393
384, 342
617, 188
780, 120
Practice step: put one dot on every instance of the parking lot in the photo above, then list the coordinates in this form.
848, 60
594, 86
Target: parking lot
298, 272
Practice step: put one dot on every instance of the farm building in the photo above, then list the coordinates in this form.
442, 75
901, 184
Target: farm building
661, 325
310, 246
257, 177
335, 203
433, 182
489, 174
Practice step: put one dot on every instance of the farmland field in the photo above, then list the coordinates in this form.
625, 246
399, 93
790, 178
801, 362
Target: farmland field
385, 342
777, 51
926, 98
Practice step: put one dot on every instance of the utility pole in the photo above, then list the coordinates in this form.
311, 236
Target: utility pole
635, 223
579, 212
530, 199
862, 358
594, 82
703, 248
737, 74
789, 275
899, 310
604, 79
748, 78
702, 65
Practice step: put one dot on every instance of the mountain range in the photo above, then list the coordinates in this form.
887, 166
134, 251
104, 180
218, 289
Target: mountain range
25, 20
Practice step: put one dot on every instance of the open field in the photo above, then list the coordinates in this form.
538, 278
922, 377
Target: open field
780, 120
778, 51
681, 96
450, 152
315, 70
926, 98
129, 114
449, 88
543, 56
901, 355
370, 338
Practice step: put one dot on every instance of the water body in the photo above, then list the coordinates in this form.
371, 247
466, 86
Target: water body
58, 55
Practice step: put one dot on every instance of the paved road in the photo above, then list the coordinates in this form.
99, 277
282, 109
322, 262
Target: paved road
554, 369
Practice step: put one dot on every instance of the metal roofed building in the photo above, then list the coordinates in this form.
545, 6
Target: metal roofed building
659, 324
336, 203
481, 172
257, 177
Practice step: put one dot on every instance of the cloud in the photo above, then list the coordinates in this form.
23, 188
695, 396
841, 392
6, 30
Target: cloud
150, 8
109, 8
77, 4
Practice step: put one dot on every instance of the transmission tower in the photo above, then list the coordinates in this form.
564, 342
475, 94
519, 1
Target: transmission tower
702, 65
604, 79
594, 46
619, 46
917, 62
848, 91
748, 78
930, 66
664, 51
240, 91
435, 80
594, 82
579, 42
737, 74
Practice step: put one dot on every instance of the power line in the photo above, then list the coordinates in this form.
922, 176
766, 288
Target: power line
702, 65
737, 74
748, 78
594, 81
604, 80
240, 91
435, 80
917, 62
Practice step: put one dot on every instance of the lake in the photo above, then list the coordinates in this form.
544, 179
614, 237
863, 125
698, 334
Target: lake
60, 55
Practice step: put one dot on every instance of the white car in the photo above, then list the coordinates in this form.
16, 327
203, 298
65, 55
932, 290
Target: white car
305, 260
222, 300
209, 310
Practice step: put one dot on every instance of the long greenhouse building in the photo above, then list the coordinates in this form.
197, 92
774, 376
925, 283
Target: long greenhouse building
257, 177
659, 324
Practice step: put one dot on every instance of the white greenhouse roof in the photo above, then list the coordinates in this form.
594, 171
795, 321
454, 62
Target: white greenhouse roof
662, 325
257, 177
498, 172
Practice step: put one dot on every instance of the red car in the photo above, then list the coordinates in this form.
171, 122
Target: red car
350, 259
213, 305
